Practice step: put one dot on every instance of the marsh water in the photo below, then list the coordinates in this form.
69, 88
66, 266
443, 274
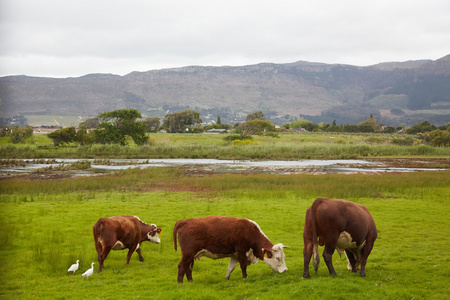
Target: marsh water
212, 166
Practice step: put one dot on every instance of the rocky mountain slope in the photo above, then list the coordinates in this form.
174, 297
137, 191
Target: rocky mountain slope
402, 93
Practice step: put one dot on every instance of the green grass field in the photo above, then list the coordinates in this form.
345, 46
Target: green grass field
47, 226
288, 146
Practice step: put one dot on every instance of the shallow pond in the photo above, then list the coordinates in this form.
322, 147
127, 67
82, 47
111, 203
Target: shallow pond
212, 166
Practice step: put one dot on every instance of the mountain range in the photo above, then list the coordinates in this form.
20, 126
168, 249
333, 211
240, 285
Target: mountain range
395, 93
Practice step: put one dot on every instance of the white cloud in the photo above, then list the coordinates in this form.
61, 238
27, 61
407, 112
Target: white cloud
72, 38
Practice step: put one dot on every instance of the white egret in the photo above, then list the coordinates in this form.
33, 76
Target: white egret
89, 272
74, 267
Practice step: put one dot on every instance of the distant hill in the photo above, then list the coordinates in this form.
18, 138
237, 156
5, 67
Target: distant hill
395, 93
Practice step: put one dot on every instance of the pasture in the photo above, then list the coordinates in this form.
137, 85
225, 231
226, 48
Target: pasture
47, 226
288, 146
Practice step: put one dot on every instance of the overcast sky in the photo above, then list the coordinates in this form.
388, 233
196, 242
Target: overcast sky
71, 38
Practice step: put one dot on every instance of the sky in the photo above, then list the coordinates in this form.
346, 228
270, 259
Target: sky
72, 38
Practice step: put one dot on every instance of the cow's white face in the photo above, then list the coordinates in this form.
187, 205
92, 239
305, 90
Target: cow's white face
153, 236
275, 258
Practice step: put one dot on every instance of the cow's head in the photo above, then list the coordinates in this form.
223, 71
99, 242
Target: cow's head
274, 258
153, 234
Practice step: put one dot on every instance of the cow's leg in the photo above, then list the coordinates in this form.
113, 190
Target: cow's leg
231, 266
351, 261
189, 271
102, 256
242, 257
181, 272
364, 255
130, 252
307, 253
138, 251
327, 257
185, 267
98, 248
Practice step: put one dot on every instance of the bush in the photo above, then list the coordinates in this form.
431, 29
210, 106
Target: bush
234, 137
63, 136
438, 138
407, 141
424, 126
20, 134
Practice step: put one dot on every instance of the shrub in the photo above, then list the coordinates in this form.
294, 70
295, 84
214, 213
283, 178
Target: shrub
407, 141
438, 138
234, 137
242, 142
63, 136
20, 134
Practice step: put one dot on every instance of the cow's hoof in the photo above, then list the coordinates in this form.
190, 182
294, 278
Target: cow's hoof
306, 275
141, 259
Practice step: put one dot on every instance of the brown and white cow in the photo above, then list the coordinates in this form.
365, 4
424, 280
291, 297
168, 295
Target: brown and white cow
341, 225
218, 237
123, 232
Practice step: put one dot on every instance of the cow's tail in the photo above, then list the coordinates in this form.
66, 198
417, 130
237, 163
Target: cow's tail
316, 256
97, 230
175, 231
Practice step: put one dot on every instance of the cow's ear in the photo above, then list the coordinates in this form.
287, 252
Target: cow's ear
267, 253
159, 230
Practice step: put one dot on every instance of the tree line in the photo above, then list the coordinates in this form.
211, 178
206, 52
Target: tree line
116, 127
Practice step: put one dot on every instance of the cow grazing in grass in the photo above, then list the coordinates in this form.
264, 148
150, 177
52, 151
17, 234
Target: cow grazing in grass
123, 232
218, 237
341, 225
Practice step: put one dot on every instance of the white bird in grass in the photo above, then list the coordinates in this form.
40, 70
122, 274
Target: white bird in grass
73, 267
88, 272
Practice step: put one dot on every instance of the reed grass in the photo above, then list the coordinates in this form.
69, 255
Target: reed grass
47, 226
288, 146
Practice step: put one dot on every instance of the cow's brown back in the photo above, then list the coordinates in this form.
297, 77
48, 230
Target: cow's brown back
219, 235
335, 216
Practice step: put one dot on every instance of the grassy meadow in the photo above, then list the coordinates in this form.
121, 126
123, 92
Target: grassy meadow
287, 146
47, 226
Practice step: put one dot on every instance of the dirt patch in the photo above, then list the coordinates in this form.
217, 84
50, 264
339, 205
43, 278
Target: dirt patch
418, 163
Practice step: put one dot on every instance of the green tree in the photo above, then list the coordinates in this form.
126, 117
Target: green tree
257, 127
109, 134
334, 128
20, 134
305, 124
369, 125
4, 132
438, 138
257, 115
83, 137
423, 126
179, 121
63, 136
152, 124
114, 126
388, 129
219, 121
